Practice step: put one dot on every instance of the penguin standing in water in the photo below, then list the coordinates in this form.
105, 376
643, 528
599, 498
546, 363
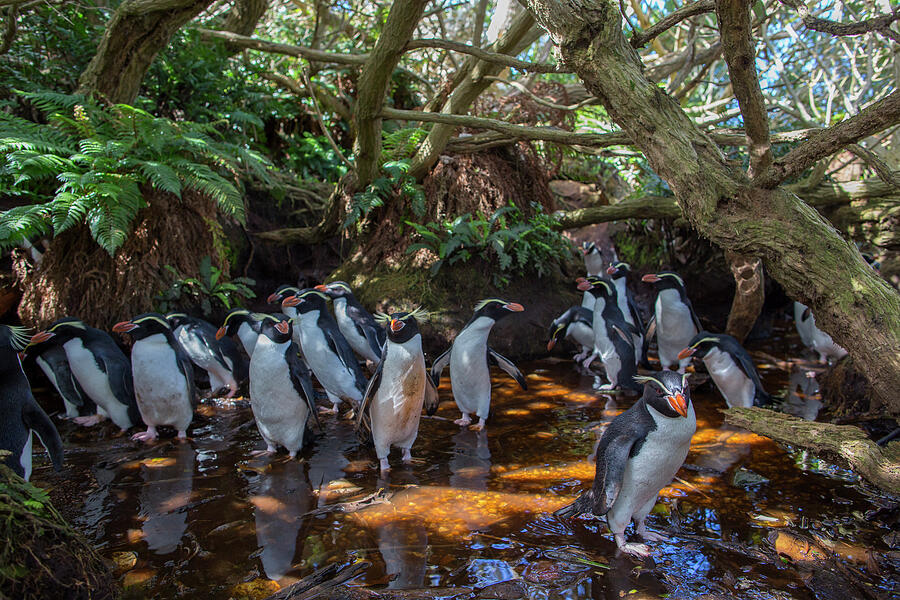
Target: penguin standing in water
398, 389
277, 297
52, 360
470, 360
241, 322
281, 391
593, 259
730, 367
618, 272
638, 455
99, 366
575, 324
22, 416
163, 375
813, 337
218, 357
612, 335
674, 319
355, 322
324, 347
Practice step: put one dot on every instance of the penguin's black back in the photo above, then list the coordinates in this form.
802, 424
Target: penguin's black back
112, 361
612, 316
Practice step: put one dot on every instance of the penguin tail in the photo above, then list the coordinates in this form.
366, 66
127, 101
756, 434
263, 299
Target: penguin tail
568, 512
583, 504
763, 399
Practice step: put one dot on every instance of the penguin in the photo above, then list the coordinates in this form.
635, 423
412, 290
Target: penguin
618, 272
218, 357
163, 375
281, 391
613, 341
593, 259
22, 416
52, 360
638, 455
470, 359
814, 338
730, 367
399, 388
324, 347
277, 297
240, 322
574, 324
674, 321
100, 368
355, 322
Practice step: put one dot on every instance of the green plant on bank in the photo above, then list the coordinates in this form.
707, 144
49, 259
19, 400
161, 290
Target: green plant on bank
519, 245
88, 164
395, 181
205, 290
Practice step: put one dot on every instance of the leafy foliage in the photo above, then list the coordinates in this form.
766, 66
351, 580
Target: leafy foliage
88, 165
396, 181
207, 290
519, 245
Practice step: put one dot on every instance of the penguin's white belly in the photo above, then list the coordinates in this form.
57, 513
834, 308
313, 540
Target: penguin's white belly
805, 327
658, 460
162, 392
397, 405
622, 300
588, 301
470, 377
824, 345
278, 408
291, 312
357, 341
604, 346
201, 356
581, 334
674, 327
95, 383
248, 338
325, 364
735, 386
25, 457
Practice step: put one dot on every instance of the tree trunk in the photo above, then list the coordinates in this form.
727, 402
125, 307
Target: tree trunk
136, 33
799, 248
242, 19
749, 294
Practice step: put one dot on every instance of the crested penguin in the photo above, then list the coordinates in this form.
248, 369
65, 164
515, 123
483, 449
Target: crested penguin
328, 354
574, 324
281, 391
277, 297
52, 360
813, 337
613, 340
470, 359
218, 357
163, 375
22, 416
674, 321
399, 389
355, 322
100, 368
730, 367
240, 322
638, 455
593, 259
618, 272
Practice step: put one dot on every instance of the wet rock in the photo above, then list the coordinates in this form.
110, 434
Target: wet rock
256, 589
505, 590
745, 478
124, 561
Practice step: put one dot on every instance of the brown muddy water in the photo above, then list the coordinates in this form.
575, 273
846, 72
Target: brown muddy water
747, 518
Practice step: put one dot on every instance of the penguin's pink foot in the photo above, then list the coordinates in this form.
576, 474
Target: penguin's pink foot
465, 420
385, 466
328, 411
269, 451
292, 454
182, 436
638, 550
231, 392
407, 456
88, 421
651, 536
477, 426
146, 436
349, 414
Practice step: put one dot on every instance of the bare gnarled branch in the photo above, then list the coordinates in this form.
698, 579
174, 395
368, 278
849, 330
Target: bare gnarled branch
671, 20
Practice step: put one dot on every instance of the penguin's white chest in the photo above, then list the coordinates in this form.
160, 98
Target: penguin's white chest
95, 382
357, 341
622, 300
674, 325
602, 342
325, 364
397, 405
470, 377
161, 389
278, 408
735, 386
581, 334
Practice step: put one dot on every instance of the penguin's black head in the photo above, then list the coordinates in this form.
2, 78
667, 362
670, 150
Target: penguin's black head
232, 322
559, 325
13, 338
283, 291
701, 344
588, 248
335, 289
402, 326
667, 392
599, 287
145, 325
618, 270
306, 301
495, 308
177, 319
59, 332
277, 328
664, 280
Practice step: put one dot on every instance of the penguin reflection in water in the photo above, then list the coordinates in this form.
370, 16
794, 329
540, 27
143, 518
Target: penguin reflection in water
638, 455
163, 375
399, 388
470, 360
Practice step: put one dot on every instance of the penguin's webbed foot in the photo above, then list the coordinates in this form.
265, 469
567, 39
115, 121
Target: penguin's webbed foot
146, 436
477, 426
328, 411
407, 456
269, 451
465, 420
637, 550
182, 436
385, 466
89, 421
647, 535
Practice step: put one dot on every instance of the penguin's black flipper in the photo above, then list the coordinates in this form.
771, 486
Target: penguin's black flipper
648, 334
431, 397
635, 313
38, 421
119, 374
694, 317
340, 347
301, 377
371, 389
186, 367
372, 339
437, 367
508, 366
761, 397
611, 462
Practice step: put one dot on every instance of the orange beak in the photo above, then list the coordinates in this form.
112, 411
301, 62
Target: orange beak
611, 270
322, 288
685, 353
283, 327
397, 325
678, 404
551, 344
272, 299
291, 301
41, 336
584, 286
580, 279
220, 333
514, 307
124, 327
650, 278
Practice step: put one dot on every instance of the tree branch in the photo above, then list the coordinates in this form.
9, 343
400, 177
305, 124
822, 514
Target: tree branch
671, 20
740, 56
872, 119
881, 169
496, 58
879, 23
243, 41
